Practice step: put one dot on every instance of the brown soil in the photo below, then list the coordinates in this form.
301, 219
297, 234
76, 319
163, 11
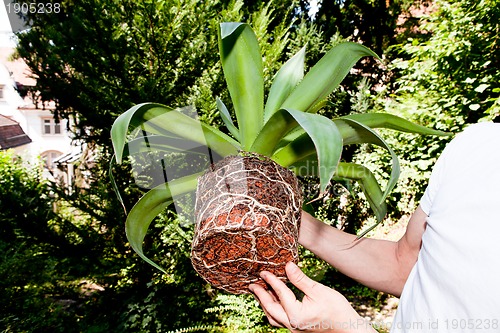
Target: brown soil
247, 220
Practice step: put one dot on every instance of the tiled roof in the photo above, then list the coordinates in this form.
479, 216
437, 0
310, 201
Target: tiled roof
20, 71
23, 77
11, 134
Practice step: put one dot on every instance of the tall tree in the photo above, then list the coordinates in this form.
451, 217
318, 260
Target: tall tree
377, 24
453, 72
446, 77
370, 21
96, 58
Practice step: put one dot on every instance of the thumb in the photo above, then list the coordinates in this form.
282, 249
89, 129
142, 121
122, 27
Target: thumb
300, 280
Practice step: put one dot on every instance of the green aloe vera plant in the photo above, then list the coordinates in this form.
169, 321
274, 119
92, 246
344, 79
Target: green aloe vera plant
282, 125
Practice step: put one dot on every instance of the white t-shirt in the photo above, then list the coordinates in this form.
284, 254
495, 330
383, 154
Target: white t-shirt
455, 284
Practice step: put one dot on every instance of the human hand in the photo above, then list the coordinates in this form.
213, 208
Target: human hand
321, 310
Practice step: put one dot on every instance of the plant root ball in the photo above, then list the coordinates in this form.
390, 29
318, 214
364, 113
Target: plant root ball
247, 220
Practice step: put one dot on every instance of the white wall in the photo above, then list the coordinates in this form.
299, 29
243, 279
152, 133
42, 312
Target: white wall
41, 142
11, 99
30, 117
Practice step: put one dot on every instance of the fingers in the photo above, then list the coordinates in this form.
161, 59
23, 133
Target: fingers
282, 307
270, 305
300, 280
285, 296
320, 304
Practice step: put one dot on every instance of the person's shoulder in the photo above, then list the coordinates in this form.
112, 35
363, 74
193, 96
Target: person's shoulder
484, 128
479, 133
475, 140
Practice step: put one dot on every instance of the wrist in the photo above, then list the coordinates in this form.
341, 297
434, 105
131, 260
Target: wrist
310, 230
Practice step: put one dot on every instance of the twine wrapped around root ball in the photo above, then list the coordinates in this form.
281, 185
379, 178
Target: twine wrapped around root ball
247, 220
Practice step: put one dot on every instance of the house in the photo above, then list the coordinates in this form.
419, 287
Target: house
28, 127
11, 134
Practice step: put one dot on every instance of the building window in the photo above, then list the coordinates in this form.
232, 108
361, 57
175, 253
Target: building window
50, 127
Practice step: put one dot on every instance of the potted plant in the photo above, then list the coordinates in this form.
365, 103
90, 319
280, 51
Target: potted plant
248, 203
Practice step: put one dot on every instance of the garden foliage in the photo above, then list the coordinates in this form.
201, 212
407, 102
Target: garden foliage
71, 270
445, 76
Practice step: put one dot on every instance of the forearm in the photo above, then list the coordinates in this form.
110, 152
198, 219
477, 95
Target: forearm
372, 262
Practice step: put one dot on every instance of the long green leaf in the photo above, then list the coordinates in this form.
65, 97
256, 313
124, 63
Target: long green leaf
324, 135
161, 143
352, 171
242, 65
325, 139
369, 186
114, 184
226, 118
383, 120
367, 135
285, 80
280, 123
295, 149
291, 136
177, 124
373, 120
163, 120
326, 75
149, 206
